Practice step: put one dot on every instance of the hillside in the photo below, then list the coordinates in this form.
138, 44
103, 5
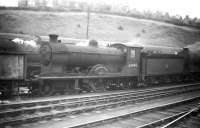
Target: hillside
102, 27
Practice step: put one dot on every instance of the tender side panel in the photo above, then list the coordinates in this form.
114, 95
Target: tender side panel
11, 67
163, 66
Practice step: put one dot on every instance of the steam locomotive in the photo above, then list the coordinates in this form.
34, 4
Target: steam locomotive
68, 68
72, 69
20, 61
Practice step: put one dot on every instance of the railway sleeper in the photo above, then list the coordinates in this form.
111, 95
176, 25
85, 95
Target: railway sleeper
74, 105
78, 110
122, 103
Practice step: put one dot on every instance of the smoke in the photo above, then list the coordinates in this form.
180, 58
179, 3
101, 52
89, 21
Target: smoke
26, 45
25, 42
194, 48
195, 55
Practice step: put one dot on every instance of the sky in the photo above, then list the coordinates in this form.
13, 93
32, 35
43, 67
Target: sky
173, 7
181, 7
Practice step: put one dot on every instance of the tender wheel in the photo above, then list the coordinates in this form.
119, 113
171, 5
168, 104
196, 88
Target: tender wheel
46, 89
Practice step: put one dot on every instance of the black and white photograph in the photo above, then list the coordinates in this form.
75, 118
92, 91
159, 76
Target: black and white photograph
99, 64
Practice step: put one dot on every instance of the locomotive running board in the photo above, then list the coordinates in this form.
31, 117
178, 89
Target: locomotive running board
82, 77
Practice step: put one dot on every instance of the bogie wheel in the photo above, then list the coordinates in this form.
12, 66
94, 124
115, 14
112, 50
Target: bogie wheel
46, 89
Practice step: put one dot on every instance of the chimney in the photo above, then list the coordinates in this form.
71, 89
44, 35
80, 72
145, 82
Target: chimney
53, 38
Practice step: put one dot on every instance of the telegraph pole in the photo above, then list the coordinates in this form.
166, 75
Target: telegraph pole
88, 22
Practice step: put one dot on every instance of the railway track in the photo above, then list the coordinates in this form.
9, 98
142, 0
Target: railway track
28, 112
108, 117
155, 118
60, 99
190, 119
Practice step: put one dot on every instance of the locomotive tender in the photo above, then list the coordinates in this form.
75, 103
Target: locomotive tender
71, 68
